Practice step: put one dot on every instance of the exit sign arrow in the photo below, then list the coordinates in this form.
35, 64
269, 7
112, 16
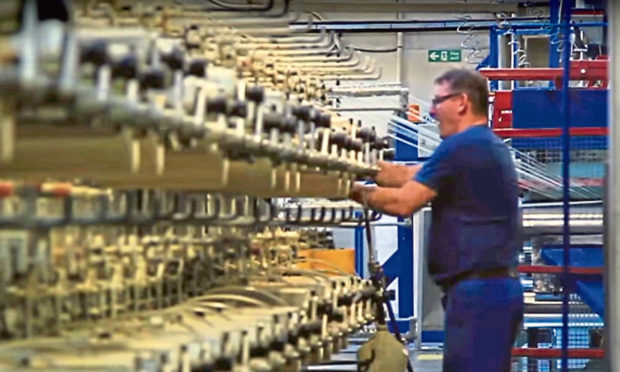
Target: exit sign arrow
444, 55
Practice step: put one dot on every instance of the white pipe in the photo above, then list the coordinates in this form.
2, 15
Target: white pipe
399, 51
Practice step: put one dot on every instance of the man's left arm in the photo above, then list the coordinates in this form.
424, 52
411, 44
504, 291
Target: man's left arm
398, 201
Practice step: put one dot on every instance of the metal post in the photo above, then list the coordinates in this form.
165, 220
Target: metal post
612, 258
418, 270
513, 57
399, 51
567, 7
494, 54
359, 246
405, 278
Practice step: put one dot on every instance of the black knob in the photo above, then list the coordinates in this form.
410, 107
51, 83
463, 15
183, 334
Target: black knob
323, 120
348, 143
338, 139
95, 52
380, 143
318, 145
289, 125
389, 154
255, 93
197, 67
365, 134
377, 144
126, 67
303, 112
346, 300
325, 309
338, 316
153, 79
277, 345
216, 105
174, 60
239, 108
357, 145
273, 120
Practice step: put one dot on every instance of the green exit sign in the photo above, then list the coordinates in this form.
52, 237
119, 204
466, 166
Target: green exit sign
444, 55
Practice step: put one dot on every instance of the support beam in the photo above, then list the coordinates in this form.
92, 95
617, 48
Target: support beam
612, 257
334, 6
417, 25
413, 25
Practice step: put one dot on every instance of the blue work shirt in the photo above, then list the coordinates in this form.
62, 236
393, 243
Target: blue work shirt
475, 221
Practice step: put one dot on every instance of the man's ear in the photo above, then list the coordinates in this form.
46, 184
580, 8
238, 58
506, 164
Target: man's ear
463, 103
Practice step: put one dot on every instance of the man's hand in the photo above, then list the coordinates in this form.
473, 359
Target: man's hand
395, 175
359, 192
386, 173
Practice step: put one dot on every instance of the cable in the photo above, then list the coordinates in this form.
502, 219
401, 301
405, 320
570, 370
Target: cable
471, 42
228, 7
389, 50
517, 52
315, 15
379, 280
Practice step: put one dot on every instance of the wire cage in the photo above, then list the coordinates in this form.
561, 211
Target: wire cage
538, 347
542, 158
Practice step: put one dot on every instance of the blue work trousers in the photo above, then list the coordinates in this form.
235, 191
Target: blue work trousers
482, 317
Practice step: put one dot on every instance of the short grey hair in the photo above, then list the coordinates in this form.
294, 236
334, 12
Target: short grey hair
471, 83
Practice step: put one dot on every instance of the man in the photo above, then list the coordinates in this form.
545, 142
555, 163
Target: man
474, 234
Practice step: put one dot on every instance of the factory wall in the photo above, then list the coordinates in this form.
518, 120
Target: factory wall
418, 73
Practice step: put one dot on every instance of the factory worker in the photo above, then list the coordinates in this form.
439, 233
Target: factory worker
474, 236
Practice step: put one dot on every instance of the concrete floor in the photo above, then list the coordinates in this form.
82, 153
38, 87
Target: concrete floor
427, 361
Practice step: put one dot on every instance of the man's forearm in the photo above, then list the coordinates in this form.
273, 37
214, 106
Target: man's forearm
387, 200
397, 201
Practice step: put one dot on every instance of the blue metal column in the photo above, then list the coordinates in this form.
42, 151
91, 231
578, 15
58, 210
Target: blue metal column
403, 257
494, 54
568, 4
358, 242
405, 279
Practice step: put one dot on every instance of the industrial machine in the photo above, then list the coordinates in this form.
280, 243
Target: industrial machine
155, 157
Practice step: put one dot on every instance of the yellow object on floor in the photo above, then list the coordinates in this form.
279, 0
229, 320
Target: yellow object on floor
430, 357
328, 259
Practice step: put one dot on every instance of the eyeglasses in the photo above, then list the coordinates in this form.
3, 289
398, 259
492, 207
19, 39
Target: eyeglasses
437, 100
